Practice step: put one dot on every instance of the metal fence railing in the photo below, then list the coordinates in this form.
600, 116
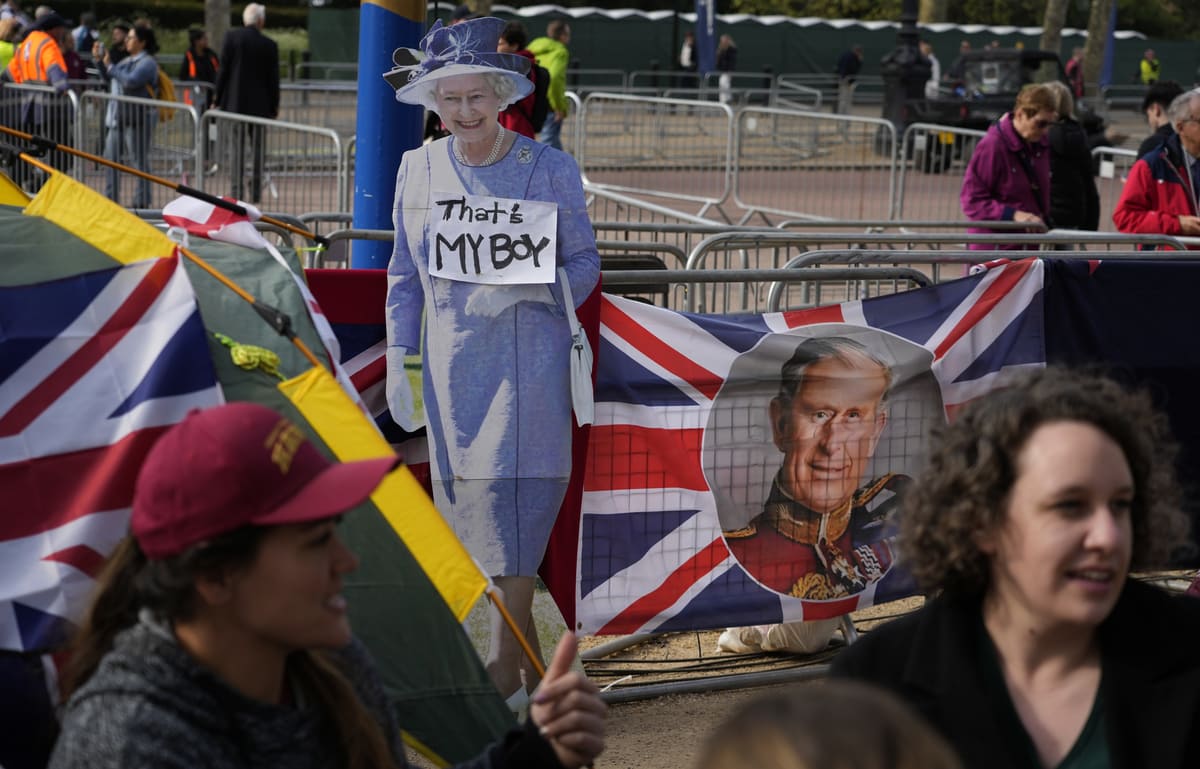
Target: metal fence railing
1112, 169
674, 148
330, 105
284, 166
790, 163
40, 110
645, 159
931, 162
158, 137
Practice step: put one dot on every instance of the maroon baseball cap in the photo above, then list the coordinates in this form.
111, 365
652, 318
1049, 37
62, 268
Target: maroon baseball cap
237, 465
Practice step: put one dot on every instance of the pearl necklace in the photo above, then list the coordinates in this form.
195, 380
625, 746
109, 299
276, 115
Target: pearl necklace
492, 156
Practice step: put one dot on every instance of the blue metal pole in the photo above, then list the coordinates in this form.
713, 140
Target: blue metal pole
706, 37
1110, 48
386, 128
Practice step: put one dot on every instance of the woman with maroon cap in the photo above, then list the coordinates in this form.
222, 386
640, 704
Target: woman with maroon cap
219, 638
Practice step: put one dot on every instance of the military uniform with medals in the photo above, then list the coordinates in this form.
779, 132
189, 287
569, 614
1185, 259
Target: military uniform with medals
794, 550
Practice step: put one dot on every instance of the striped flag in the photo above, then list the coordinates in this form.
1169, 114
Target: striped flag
93, 368
681, 451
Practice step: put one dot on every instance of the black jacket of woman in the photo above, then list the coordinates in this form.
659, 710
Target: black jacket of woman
1150, 678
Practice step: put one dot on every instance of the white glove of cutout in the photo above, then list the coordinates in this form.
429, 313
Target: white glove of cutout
399, 392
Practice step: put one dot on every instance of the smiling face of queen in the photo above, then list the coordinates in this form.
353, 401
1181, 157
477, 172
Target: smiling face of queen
469, 107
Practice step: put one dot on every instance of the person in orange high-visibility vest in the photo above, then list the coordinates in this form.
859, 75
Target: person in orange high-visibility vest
199, 65
38, 60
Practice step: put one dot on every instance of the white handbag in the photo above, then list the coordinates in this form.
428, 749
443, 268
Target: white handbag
582, 398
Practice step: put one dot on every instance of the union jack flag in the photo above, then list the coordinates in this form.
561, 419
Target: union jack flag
652, 555
353, 301
93, 368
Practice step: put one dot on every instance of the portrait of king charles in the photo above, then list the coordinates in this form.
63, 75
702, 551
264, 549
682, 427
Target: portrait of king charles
825, 529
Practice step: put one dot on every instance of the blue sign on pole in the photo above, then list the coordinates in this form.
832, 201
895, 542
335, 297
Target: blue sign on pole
706, 38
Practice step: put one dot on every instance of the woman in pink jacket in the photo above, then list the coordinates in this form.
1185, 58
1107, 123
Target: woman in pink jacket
1008, 178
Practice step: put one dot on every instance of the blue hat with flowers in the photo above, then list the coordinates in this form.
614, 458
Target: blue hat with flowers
466, 48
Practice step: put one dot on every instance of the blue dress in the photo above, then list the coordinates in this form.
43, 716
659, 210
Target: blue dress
495, 359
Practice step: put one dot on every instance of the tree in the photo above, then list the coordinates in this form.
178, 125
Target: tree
932, 11
216, 21
1052, 24
1093, 52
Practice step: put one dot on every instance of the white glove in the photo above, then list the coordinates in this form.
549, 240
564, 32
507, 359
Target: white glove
399, 392
491, 301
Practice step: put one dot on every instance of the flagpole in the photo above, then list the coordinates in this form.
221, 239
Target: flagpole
276, 318
182, 189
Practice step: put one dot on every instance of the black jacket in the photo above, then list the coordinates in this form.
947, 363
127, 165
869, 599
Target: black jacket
1155, 140
1074, 201
248, 81
1150, 680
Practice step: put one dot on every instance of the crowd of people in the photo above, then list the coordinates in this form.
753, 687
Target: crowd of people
1034, 165
48, 50
218, 633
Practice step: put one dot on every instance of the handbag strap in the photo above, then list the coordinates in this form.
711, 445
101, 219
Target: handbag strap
568, 301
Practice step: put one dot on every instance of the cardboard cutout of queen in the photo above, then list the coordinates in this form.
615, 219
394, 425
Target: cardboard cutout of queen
483, 219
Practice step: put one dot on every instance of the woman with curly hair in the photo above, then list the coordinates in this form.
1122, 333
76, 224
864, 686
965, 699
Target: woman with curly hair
1036, 648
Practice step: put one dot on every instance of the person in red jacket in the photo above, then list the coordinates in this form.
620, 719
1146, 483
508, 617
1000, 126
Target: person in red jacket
518, 117
1160, 195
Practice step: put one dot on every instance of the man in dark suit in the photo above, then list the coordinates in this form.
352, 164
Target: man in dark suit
248, 83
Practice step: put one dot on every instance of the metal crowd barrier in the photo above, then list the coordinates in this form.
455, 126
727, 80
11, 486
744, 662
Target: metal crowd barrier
1123, 96
572, 131
584, 81
760, 250
791, 94
629, 143
789, 162
608, 205
931, 163
173, 153
42, 111
200, 91
327, 70
302, 168
330, 105
659, 81
1112, 169
349, 159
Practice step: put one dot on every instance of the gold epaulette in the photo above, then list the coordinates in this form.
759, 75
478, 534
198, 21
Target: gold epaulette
749, 530
814, 587
867, 494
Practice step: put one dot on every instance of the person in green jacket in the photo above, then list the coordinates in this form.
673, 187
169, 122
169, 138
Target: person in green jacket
551, 52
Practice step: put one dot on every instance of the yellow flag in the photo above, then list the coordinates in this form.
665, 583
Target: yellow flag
98, 221
10, 192
401, 499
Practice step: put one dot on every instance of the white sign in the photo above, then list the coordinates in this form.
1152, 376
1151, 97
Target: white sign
481, 239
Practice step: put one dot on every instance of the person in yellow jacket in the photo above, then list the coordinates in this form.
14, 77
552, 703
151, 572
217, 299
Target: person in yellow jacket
8, 46
551, 52
1150, 68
